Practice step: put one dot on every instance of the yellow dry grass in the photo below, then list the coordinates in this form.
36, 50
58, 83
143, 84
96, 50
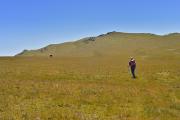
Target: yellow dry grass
92, 88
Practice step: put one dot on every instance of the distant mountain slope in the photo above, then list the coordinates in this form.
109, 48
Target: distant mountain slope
113, 43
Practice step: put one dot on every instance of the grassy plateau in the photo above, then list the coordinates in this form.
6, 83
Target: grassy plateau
94, 87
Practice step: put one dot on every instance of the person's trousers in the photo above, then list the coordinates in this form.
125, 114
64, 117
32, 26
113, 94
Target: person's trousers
133, 71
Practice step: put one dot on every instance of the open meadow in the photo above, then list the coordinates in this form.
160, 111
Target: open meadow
75, 59
89, 88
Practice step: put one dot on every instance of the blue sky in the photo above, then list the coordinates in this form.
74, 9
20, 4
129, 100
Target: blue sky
31, 24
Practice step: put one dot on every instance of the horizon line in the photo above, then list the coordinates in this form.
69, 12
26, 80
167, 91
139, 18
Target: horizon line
77, 39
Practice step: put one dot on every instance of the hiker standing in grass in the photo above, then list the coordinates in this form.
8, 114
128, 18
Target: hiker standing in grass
132, 65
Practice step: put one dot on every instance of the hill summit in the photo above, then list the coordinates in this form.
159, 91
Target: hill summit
112, 44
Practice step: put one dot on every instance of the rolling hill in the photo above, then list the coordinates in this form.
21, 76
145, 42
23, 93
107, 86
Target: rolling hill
113, 44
